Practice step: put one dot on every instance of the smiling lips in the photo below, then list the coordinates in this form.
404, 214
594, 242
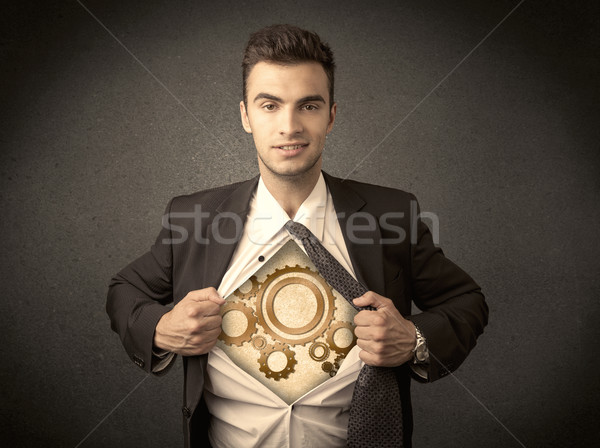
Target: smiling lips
292, 147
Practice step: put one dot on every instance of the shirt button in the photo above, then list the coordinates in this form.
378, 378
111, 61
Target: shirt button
261, 258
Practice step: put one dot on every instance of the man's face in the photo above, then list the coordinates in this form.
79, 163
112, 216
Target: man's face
288, 115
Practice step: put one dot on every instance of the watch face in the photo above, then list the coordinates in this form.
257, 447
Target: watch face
420, 353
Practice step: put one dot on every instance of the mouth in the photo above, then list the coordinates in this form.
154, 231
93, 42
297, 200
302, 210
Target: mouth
293, 147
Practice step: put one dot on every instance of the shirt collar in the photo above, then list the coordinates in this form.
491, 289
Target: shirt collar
267, 218
312, 211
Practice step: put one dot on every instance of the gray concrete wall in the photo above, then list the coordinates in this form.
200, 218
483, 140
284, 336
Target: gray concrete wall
502, 146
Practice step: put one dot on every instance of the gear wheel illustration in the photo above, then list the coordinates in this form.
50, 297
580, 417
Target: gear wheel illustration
327, 367
264, 358
250, 328
330, 337
313, 349
336, 365
259, 342
332, 369
312, 281
251, 293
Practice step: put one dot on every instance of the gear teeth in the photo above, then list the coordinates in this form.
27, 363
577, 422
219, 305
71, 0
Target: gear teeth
289, 355
330, 341
313, 348
246, 336
253, 290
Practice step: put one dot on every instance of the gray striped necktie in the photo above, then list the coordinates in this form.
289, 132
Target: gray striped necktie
375, 412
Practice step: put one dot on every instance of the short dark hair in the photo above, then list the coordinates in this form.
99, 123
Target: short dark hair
286, 44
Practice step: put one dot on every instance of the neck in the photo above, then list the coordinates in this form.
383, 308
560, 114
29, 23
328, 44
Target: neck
290, 191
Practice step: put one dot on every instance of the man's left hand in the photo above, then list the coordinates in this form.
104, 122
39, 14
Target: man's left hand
386, 338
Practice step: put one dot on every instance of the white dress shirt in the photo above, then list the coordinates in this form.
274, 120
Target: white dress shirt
244, 412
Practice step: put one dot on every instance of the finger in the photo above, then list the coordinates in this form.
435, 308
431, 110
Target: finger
204, 337
199, 310
207, 324
361, 333
368, 358
369, 319
371, 298
206, 294
370, 333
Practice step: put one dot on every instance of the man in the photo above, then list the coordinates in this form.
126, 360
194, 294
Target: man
373, 232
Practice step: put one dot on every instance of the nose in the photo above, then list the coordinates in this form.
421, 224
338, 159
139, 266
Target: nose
290, 122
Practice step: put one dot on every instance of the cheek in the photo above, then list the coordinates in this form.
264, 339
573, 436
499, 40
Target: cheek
261, 126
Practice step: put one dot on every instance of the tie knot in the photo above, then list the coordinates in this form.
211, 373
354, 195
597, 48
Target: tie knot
297, 229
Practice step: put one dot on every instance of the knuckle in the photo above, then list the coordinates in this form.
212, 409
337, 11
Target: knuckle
194, 326
379, 335
379, 348
191, 312
195, 341
378, 321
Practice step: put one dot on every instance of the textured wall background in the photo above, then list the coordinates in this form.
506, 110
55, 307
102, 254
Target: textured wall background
505, 151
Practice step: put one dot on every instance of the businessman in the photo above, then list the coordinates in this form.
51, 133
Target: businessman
213, 241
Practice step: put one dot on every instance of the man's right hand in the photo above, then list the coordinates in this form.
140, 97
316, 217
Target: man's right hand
193, 325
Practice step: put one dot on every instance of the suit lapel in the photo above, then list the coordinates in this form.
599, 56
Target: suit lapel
224, 232
366, 257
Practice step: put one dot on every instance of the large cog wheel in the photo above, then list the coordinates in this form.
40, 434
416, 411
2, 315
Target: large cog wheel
289, 356
331, 341
250, 328
311, 280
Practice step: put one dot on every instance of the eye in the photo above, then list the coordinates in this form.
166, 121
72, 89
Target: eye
269, 107
309, 107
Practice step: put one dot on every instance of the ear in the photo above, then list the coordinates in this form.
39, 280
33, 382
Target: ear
332, 113
245, 120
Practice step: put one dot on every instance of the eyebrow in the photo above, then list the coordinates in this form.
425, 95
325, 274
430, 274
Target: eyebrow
305, 99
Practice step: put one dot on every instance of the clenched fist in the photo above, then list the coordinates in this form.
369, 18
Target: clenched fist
193, 325
385, 337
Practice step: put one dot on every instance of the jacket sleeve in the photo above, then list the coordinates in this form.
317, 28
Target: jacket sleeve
454, 311
138, 295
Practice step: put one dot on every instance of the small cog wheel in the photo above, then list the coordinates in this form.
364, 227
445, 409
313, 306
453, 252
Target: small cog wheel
259, 342
290, 361
331, 340
333, 368
250, 328
251, 293
315, 346
327, 366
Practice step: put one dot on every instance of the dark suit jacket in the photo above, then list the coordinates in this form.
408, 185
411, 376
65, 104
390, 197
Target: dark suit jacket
392, 254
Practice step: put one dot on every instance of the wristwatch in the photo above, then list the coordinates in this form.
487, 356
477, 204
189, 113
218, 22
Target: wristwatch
420, 352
